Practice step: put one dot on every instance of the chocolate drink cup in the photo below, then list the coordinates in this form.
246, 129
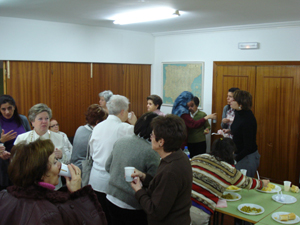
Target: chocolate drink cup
64, 171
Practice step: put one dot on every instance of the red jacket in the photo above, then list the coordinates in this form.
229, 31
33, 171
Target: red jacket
38, 205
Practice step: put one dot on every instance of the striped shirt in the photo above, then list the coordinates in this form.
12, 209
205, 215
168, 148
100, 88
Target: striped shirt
211, 178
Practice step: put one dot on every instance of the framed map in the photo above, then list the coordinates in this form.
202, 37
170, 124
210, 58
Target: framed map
182, 76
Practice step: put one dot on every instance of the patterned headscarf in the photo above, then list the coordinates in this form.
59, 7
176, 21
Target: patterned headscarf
180, 105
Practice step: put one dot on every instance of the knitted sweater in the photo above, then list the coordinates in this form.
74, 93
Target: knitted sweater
129, 151
210, 179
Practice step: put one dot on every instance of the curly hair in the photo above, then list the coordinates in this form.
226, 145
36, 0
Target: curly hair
223, 150
95, 114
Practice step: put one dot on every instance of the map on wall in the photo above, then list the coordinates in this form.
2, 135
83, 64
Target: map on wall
179, 77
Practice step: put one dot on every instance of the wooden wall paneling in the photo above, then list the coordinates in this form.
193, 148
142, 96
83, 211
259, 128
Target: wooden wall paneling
29, 84
277, 113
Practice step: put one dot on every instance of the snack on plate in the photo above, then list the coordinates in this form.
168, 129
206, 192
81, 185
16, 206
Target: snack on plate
269, 187
294, 189
248, 209
233, 188
286, 217
227, 196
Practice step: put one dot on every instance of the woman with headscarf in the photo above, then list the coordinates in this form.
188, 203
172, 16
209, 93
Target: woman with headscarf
181, 109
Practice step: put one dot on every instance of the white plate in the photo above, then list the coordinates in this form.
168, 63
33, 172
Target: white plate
235, 196
251, 205
234, 190
275, 190
288, 199
277, 214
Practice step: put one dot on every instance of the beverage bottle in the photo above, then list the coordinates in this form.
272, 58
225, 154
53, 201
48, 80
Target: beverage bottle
186, 151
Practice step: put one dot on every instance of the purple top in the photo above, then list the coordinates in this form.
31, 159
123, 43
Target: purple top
8, 125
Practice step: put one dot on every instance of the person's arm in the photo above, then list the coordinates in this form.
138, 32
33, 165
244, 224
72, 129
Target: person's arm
248, 182
192, 124
159, 203
224, 125
25, 123
108, 162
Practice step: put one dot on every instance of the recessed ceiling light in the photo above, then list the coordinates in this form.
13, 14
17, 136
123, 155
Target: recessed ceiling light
145, 16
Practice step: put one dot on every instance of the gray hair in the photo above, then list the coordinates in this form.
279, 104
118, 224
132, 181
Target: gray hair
116, 104
106, 94
37, 109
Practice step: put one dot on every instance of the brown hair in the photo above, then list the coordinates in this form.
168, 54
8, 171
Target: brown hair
243, 98
29, 162
156, 100
172, 129
95, 113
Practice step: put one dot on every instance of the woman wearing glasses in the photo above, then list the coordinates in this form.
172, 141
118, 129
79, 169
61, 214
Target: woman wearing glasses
54, 126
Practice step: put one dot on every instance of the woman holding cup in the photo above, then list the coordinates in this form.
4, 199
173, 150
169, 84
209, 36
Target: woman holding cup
39, 116
34, 170
129, 153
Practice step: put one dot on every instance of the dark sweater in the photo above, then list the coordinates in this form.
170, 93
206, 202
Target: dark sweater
243, 129
167, 200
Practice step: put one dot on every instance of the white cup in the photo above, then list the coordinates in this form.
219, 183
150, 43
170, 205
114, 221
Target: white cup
244, 172
129, 115
64, 171
128, 171
287, 185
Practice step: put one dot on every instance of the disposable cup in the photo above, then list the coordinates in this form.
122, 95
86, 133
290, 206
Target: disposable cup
129, 115
287, 185
128, 171
244, 172
64, 171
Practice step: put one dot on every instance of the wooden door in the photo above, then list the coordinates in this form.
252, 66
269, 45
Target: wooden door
227, 76
277, 113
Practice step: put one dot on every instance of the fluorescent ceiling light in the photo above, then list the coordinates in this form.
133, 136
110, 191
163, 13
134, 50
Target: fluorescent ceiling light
145, 16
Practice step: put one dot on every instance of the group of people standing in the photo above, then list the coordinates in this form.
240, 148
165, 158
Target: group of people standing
165, 180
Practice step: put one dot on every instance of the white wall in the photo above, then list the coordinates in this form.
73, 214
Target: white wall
276, 44
33, 40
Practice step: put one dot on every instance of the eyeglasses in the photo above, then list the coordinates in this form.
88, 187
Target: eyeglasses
54, 125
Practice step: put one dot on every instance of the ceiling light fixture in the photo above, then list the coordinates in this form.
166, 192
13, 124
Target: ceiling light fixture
145, 16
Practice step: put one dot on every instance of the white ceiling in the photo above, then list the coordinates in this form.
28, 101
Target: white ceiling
197, 14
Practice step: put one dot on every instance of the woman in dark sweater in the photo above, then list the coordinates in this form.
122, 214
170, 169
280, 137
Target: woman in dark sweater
244, 129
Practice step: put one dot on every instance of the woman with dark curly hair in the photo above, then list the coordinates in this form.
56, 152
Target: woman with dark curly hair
94, 115
212, 174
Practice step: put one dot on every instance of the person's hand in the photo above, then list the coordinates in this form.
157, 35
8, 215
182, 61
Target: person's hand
136, 184
73, 183
225, 120
132, 120
5, 155
138, 174
206, 131
58, 153
226, 131
8, 136
211, 116
265, 182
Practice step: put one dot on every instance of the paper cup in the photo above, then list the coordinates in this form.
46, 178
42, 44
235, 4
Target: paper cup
1, 144
129, 115
244, 172
128, 171
287, 185
64, 171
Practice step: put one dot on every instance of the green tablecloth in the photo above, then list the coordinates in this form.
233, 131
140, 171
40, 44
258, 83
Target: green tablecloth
262, 199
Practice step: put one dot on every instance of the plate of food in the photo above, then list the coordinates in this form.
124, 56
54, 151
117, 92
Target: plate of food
251, 209
284, 199
231, 196
285, 217
271, 188
233, 188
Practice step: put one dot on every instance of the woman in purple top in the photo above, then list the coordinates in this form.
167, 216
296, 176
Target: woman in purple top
11, 125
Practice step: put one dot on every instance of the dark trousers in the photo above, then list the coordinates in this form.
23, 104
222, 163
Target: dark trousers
103, 201
197, 148
121, 216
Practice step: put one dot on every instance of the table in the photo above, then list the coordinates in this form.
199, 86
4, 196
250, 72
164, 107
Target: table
262, 199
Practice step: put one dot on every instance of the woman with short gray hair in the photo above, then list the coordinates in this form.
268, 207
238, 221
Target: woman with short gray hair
39, 116
104, 98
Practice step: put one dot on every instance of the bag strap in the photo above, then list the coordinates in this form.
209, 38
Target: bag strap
88, 156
